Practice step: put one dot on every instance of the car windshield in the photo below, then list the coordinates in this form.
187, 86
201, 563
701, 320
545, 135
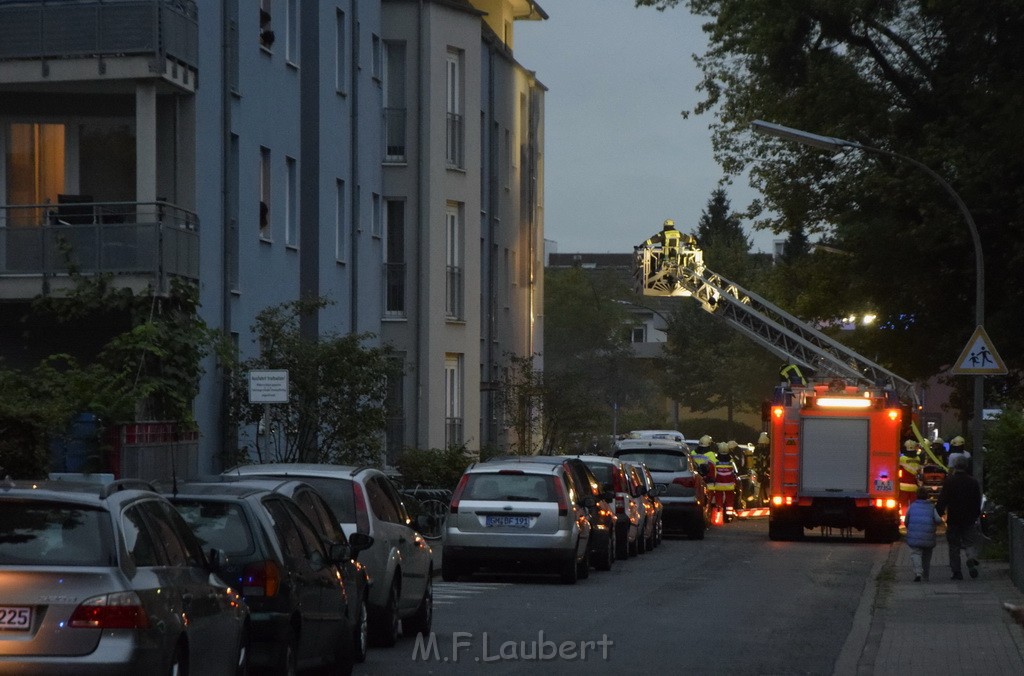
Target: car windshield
657, 462
526, 487
218, 524
54, 534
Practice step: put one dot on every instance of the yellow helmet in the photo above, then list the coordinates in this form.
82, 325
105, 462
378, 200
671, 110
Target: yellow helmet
956, 441
763, 439
732, 444
705, 440
723, 447
910, 444
669, 223
938, 441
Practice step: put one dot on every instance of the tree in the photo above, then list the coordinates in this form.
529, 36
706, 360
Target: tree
521, 397
338, 385
939, 82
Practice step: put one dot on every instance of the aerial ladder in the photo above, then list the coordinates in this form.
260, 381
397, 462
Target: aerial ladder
682, 272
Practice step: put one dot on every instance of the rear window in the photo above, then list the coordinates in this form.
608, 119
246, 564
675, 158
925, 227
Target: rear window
338, 494
54, 534
603, 472
657, 462
525, 487
218, 524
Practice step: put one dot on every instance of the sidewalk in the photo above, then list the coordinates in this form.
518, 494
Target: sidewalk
936, 627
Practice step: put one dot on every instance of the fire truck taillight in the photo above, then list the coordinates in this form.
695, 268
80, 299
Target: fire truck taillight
779, 500
893, 413
888, 503
777, 411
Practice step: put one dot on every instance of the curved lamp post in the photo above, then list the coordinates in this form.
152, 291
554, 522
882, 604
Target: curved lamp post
832, 143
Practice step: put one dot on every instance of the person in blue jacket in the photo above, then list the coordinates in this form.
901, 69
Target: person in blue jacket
921, 520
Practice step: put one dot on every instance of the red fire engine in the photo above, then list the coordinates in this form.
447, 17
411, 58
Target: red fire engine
835, 442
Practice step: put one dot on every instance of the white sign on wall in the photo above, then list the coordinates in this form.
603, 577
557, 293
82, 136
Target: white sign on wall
268, 386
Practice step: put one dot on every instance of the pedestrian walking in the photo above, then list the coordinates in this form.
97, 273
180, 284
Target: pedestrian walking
922, 518
960, 501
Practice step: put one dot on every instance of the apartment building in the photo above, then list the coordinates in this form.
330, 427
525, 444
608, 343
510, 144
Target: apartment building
384, 154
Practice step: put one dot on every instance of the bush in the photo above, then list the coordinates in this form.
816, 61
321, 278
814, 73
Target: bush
433, 468
1004, 460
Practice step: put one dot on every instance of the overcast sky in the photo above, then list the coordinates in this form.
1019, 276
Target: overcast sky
620, 158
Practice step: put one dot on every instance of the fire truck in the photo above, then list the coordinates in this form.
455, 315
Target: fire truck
835, 438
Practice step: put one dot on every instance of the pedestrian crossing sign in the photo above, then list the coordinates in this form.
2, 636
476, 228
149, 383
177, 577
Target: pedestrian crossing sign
979, 357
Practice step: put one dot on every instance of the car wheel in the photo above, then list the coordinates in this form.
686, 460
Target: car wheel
361, 633
659, 533
386, 624
698, 529
179, 663
641, 543
420, 622
583, 567
622, 547
570, 571
608, 554
289, 662
634, 547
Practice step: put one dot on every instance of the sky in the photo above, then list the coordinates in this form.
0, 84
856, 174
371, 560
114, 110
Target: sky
619, 156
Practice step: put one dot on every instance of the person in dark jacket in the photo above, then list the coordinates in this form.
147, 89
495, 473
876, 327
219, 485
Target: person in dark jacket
921, 522
960, 501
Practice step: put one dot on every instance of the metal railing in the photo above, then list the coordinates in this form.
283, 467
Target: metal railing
453, 293
394, 288
76, 28
141, 238
453, 432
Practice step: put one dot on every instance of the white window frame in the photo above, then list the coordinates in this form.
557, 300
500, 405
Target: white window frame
291, 202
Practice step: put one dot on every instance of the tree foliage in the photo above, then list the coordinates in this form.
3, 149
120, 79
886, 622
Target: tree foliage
936, 81
337, 389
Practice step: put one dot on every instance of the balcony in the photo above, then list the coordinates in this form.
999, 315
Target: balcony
142, 244
79, 40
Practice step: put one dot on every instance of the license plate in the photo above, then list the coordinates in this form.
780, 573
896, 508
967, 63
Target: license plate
509, 521
15, 618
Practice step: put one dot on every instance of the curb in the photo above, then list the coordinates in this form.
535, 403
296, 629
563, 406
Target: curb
857, 639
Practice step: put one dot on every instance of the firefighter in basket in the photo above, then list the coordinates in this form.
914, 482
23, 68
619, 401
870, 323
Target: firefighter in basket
723, 484
910, 469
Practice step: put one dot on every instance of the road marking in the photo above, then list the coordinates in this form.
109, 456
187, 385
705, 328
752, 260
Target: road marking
446, 593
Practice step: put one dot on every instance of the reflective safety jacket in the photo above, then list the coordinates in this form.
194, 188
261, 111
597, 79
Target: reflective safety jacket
725, 476
909, 469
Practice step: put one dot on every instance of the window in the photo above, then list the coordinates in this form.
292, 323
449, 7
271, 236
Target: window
137, 539
291, 203
394, 261
306, 530
340, 56
340, 225
380, 502
287, 533
455, 131
375, 55
35, 168
376, 226
266, 32
394, 102
314, 507
264, 193
638, 334
453, 254
394, 407
291, 47
453, 400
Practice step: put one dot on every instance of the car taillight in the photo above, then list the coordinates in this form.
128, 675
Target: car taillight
620, 504
120, 610
685, 481
359, 501
563, 504
457, 495
617, 480
261, 579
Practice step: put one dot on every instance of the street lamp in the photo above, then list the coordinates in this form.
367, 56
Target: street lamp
832, 143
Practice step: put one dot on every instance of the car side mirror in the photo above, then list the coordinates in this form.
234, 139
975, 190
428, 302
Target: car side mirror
339, 552
216, 559
358, 542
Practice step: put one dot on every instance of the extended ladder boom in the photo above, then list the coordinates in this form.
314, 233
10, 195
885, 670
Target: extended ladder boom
683, 273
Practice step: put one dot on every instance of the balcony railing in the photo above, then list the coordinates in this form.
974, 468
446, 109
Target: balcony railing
152, 240
453, 432
80, 28
455, 147
394, 134
394, 292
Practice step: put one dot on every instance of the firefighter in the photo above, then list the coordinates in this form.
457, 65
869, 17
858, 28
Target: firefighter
742, 472
910, 468
957, 450
791, 373
704, 458
763, 465
724, 485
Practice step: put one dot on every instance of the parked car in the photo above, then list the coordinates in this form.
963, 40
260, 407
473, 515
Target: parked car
645, 536
398, 562
686, 508
613, 475
931, 477
103, 579
671, 435
522, 516
289, 577
601, 547
653, 493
